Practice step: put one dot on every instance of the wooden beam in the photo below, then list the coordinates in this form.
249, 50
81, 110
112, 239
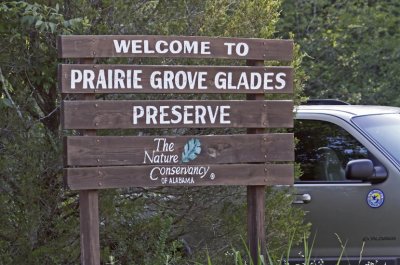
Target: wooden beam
89, 227
119, 79
89, 212
139, 150
130, 114
256, 199
86, 178
100, 46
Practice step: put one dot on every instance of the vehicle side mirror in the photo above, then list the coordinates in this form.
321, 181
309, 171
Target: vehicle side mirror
363, 169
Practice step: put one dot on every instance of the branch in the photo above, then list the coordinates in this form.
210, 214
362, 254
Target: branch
49, 114
4, 85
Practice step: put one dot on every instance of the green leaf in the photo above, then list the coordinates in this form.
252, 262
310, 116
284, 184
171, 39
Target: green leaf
38, 24
52, 27
6, 103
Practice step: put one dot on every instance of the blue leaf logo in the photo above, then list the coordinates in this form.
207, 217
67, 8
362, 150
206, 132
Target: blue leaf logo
191, 150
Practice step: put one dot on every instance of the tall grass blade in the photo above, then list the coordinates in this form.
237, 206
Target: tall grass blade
361, 253
208, 259
289, 247
260, 260
343, 246
247, 252
238, 258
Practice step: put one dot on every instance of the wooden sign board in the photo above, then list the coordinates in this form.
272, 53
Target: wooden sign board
119, 162
126, 114
91, 78
145, 150
89, 178
100, 46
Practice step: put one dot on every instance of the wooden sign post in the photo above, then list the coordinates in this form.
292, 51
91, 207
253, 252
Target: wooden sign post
256, 159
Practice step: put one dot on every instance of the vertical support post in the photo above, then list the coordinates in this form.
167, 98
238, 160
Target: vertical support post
89, 226
89, 211
256, 200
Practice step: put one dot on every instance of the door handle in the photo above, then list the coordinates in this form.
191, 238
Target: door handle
302, 198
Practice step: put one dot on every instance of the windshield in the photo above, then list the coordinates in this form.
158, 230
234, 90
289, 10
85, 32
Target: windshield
384, 129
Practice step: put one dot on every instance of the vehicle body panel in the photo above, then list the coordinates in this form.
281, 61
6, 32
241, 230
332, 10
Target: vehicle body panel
338, 211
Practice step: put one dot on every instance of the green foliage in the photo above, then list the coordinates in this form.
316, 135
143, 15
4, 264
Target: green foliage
29, 59
284, 226
36, 220
284, 223
254, 19
352, 48
42, 18
131, 234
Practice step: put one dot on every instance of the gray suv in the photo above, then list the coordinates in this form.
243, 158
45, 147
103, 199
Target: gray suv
350, 186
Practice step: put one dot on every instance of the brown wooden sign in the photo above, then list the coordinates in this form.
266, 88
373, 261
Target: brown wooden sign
178, 175
144, 150
84, 78
125, 114
100, 162
83, 46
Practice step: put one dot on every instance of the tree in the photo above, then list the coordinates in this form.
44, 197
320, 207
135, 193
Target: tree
351, 46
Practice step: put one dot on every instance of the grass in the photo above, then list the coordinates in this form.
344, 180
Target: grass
246, 260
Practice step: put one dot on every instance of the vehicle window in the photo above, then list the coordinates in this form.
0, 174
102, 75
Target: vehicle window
324, 149
384, 129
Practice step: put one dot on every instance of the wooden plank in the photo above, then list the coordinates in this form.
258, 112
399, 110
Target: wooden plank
89, 211
99, 46
141, 150
125, 114
256, 202
256, 222
89, 227
178, 175
91, 78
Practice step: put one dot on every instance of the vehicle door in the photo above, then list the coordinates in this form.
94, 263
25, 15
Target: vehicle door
360, 216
